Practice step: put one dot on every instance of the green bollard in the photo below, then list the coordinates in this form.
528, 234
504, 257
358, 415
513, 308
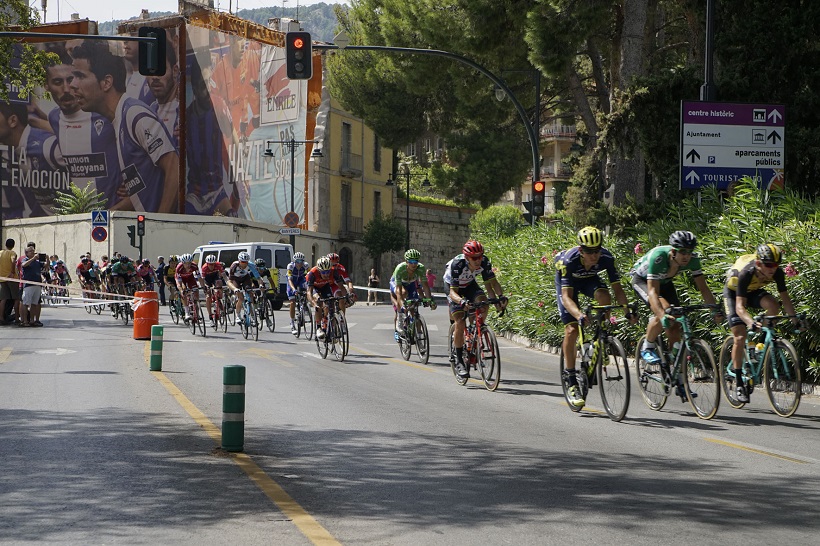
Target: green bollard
233, 407
156, 348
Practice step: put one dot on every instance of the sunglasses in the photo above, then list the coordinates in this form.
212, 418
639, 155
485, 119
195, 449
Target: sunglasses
414, 262
589, 250
769, 265
684, 251
240, 261
475, 258
324, 271
300, 261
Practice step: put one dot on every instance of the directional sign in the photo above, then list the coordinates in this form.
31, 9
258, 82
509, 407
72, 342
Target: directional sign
99, 234
290, 231
99, 217
722, 142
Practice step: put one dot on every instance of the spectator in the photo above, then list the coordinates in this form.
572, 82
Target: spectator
9, 290
30, 271
373, 282
162, 268
431, 280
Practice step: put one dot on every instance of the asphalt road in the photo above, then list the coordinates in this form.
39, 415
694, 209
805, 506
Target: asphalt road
96, 449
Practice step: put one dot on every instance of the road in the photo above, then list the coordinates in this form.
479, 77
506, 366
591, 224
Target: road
373, 450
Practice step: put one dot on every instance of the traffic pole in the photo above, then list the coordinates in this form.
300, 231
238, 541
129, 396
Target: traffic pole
156, 348
233, 407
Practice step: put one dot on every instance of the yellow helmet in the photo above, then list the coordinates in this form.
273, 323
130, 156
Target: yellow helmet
590, 237
769, 252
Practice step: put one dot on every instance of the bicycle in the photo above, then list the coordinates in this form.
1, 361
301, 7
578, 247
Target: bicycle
264, 310
122, 308
692, 371
194, 307
249, 322
480, 346
337, 337
779, 366
220, 317
175, 306
603, 353
303, 316
414, 331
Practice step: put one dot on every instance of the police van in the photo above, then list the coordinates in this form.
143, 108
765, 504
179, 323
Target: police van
276, 255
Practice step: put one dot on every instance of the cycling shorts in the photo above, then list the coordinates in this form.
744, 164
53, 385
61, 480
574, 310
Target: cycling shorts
472, 292
667, 291
587, 287
753, 299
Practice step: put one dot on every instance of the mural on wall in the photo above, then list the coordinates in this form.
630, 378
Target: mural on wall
97, 121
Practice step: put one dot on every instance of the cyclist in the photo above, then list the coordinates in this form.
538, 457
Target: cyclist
122, 272
147, 274
460, 278
240, 275
323, 281
212, 274
170, 273
85, 274
744, 288
187, 275
404, 284
578, 272
652, 281
351, 294
297, 282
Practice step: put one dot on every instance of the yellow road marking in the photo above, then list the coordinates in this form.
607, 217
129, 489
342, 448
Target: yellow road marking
5, 352
753, 450
300, 517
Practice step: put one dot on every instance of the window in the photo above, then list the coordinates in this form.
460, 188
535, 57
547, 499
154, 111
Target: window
428, 145
377, 153
263, 253
411, 150
347, 141
377, 203
282, 258
346, 206
228, 257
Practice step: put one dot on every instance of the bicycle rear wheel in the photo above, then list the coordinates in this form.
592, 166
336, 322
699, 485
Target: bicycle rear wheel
452, 351
86, 304
229, 307
404, 338
269, 320
422, 340
701, 378
728, 381
781, 374
613, 379
307, 321
650, 380
98, 308
489, 359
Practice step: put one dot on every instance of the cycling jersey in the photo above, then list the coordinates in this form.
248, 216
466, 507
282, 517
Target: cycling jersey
185, 276
570, 269
459, 274
655, 265
403, 275
212, 272
239, 274
342, 271
124, 270
297, 273
171, 270
742, 278
84, 270
315, 279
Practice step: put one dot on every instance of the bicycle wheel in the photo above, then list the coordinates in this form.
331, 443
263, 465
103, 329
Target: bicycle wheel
345, 333
650, 380
269, 319
405, 337
125, 313
173, 309
489, 359
701, 378
580, 373
422, 340
337, 338
452, 352
322, 344
613, 379
253, 322
98, 308
199, 316
727, 377
191, 323
229, 305
86, 304
244, 322
781, 375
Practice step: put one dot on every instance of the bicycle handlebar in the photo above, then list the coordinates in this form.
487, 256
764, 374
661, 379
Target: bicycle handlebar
474, 306
684, 309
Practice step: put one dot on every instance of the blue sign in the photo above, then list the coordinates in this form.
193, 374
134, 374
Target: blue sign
99, 218
99, 234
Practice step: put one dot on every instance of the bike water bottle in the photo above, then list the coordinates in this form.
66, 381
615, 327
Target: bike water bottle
675, 349
586, 352
760, 347
751, 349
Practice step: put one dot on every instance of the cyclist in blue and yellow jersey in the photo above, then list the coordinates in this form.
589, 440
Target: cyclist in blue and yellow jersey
652, 280
578, 272
297, 281
404, 283
460, 277
744, 288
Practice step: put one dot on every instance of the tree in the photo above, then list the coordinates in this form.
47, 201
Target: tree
21, 65
77, 200
383, 234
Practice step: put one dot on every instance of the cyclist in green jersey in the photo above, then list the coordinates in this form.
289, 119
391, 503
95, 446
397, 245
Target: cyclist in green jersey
404, 283
652, 281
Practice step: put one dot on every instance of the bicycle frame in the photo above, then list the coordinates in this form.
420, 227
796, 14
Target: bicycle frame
480, 346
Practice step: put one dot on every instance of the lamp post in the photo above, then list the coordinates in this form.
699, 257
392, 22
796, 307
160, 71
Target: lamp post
391, 180
292, 144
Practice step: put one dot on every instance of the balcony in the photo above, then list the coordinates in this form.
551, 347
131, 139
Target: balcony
556, 131
351, 165
351, 228
549, 171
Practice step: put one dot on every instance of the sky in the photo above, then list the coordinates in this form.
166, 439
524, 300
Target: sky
110, 10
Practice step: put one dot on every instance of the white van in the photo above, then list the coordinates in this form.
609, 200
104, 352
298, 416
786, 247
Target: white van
276, 255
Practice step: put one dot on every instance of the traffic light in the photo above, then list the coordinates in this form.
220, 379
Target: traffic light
299, 55
140, 225
152, 54
538, 197
132, 236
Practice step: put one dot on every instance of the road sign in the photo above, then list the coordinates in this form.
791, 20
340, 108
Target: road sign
722, 142
291, 219
99, 217
99, 234
290, 231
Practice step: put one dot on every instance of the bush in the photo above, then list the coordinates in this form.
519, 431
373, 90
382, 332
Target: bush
496, 222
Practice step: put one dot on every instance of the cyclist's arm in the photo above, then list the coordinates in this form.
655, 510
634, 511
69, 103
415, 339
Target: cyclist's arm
788, 306
494, 288
653, 292
708, 297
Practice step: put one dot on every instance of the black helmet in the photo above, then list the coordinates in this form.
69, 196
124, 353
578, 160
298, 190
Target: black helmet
769, 252
683, 240
260, 262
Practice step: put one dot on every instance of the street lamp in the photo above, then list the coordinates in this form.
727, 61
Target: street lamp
391, 180
292, 144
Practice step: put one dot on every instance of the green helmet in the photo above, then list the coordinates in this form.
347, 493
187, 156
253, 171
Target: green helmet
412, 254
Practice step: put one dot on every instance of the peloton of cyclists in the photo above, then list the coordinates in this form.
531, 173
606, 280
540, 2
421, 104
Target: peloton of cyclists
407, 277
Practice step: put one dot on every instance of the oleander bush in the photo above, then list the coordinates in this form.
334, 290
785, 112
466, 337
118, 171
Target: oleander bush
726, 227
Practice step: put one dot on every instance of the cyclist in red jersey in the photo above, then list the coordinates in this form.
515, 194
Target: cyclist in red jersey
323, 282
187, 276
213, 274
334, 262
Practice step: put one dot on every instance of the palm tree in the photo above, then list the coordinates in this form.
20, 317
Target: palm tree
77, 201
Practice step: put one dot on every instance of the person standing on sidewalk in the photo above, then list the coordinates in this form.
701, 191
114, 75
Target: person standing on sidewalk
373, 282
162, 268
9, 290
31, 269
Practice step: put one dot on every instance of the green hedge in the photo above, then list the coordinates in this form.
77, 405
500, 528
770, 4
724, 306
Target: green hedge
725, 227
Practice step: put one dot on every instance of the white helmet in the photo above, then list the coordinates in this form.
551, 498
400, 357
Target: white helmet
298, 256
185, 258
324, 263
244, 257
210, 259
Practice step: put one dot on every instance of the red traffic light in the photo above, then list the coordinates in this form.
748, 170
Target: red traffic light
140, 218
298, 42
538, 186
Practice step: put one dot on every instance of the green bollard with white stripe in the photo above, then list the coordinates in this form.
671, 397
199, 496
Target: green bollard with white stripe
233, 407
156, 348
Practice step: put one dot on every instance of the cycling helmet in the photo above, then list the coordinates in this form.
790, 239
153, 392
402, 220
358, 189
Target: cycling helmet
683, 239
260, 262
186, 258
324, 264
590, 237
473, 249
146, 262
412, 254
210, 259
173, 258
769, 252
124, 259
334, 258
59, 262
298, 256
244, 257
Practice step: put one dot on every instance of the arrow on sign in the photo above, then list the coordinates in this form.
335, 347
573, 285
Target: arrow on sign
693, 154
692, 177
774, 114
773, 136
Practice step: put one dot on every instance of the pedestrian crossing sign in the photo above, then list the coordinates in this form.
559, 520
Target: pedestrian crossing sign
99, 218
